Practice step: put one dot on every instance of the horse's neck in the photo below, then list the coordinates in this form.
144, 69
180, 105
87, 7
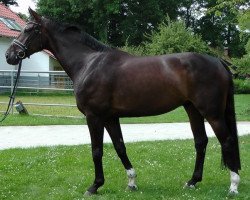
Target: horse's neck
72, 56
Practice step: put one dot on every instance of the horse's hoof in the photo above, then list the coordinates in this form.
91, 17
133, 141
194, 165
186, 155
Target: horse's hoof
188, 186
88, 194
233, 192
132, 188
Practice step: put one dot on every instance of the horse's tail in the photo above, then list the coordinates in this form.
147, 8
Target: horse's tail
231, 121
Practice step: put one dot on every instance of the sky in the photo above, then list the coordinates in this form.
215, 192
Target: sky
23, 6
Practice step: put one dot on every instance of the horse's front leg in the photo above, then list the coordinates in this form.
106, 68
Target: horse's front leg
96, 129
114, 129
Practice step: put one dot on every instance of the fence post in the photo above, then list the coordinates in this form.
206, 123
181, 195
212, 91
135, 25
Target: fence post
39, 82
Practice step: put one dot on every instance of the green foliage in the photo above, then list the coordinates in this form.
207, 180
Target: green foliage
174, 37
111, 21
69, 11
118, 21
23, 16
244, 20
218, 26
134, 50
242, 86
243, 66
9, 2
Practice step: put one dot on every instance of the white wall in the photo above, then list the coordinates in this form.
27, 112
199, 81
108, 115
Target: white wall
4, 44
37, 62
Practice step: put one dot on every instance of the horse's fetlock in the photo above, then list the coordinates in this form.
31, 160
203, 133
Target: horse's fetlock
99, 182
131, 173
197, 176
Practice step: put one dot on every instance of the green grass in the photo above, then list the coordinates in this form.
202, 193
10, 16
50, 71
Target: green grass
46, 110
242, 106
65, 172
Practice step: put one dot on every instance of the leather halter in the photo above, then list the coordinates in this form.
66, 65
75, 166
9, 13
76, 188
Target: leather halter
24, 46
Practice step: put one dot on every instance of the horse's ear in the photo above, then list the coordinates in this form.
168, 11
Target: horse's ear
34, 15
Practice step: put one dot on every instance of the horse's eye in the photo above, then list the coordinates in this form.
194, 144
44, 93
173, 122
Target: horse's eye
37, 29
28, 29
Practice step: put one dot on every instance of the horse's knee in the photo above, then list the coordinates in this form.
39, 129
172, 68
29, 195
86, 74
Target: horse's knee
200, 145
97, 155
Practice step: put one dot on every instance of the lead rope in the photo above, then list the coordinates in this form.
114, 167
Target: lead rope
13, 94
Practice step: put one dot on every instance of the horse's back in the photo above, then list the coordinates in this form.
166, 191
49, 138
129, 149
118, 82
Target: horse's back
159, 84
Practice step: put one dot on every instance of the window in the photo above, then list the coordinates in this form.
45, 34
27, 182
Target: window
11, 24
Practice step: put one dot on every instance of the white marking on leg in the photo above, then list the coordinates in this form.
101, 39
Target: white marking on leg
235, 180
131, 179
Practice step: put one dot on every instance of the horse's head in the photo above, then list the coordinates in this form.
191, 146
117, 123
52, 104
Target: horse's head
28, 42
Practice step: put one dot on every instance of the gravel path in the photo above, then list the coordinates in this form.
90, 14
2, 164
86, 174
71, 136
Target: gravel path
34, 136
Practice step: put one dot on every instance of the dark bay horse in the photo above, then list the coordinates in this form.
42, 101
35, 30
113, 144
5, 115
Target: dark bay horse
110, 83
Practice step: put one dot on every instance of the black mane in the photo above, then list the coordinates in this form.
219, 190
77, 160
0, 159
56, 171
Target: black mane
93, 43
85, 38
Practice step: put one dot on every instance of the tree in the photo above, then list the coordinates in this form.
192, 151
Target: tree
216, 21
127, 21
113, 22
243, 63
9, 2
223, 17
75, 12
142, 17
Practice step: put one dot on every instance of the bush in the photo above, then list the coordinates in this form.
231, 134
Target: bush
134, 50
243, 64
174, 37
242, 86
170, 37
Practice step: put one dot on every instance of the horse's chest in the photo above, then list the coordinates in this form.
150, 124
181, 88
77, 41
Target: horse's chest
92, 98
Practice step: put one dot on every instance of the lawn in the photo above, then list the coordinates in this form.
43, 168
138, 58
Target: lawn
64, 172
178, 115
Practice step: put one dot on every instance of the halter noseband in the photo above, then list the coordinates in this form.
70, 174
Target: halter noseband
24, 47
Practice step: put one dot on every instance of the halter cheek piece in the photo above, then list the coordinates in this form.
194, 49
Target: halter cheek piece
24, 47
20, 54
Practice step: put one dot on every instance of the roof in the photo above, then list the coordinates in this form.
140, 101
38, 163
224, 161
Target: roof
7, 13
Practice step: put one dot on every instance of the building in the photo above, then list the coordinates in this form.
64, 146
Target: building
10, 27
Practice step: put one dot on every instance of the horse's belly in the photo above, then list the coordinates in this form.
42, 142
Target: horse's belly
146, 104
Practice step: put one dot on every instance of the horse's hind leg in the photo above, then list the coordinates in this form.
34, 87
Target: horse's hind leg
228, 151
200, 139
114, 129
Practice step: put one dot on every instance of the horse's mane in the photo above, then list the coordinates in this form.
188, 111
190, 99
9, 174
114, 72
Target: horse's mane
85, 38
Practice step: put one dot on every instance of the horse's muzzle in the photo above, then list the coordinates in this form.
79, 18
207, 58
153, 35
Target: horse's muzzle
12, 58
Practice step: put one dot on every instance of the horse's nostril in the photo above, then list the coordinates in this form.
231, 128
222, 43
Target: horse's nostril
7, 55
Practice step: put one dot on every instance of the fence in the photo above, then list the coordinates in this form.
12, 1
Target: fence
35, 82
